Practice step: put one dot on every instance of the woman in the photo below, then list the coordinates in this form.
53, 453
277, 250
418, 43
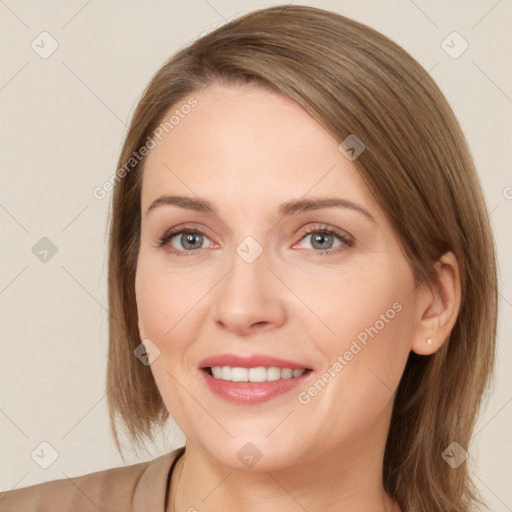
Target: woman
301, 274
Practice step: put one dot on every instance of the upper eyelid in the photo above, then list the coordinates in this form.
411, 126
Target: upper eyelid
341, 234
305, 230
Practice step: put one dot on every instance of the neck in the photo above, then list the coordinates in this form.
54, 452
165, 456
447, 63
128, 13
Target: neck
343, 480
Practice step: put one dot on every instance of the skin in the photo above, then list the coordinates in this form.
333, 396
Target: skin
247, 150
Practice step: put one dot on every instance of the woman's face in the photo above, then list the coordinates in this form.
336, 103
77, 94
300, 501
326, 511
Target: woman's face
269, 277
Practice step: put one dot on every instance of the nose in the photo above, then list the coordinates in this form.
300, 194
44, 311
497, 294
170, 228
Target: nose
249, 298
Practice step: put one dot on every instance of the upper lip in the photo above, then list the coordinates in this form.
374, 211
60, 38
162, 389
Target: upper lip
251, 361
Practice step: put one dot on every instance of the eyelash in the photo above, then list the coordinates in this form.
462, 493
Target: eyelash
346, 241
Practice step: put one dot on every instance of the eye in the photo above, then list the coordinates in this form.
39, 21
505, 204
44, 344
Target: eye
184, 241
188, 241
326, 240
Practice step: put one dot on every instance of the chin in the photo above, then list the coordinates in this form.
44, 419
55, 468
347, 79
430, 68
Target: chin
253, 454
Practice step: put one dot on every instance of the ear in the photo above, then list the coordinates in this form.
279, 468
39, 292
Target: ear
437, 307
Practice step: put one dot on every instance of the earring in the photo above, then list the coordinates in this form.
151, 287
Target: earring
429, 342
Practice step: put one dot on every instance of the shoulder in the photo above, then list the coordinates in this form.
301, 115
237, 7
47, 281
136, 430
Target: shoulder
139, 486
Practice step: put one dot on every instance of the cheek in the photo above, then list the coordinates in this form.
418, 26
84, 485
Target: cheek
161, 303
162, 300
370, 316
151, 299
360, 297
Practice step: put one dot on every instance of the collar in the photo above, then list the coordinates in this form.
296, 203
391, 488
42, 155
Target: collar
152, 489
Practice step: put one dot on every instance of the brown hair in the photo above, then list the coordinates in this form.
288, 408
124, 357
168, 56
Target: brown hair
353, 80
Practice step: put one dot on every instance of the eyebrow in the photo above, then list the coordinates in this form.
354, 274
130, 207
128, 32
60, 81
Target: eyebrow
285, 209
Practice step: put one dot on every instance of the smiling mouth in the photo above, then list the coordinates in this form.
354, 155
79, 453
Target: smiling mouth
254, 374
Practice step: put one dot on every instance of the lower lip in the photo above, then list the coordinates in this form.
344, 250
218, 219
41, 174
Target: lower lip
252, 392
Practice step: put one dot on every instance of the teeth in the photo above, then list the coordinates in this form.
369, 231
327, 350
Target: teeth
273, 373
217, 371
287, 373
238, 374
258, 374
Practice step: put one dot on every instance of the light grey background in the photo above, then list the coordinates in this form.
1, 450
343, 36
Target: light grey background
63, 121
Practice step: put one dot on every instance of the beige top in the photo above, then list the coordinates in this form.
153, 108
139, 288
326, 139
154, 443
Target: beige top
140, 487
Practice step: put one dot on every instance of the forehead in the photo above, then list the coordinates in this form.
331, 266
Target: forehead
249, 148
